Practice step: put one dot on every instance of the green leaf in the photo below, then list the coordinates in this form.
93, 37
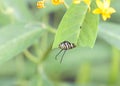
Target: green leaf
69, 27
89, 29
75, 58
111, 33
16, 38
77, 26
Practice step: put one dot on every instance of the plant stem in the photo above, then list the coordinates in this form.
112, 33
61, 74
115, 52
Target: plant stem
52, 30
66, 5
31, 57
115, 66
84, 74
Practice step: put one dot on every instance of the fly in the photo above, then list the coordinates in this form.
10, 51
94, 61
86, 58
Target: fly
64, 46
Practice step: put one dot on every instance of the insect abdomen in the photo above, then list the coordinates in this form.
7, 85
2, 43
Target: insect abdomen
66, 45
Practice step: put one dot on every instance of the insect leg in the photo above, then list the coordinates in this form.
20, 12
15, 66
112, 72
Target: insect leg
58, 54
62, 56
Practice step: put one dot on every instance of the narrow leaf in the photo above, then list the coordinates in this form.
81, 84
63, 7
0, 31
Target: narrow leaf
69, 27
89, 29
111, 33
15, 38
78, 26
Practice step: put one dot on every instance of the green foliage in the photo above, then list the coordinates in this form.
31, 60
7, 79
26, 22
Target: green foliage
78, 26
15, 12
75, 58
26, 42
88, 32
111, 33
69, 27
16, 38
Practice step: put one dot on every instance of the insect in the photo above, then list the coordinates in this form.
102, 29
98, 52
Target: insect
64, 46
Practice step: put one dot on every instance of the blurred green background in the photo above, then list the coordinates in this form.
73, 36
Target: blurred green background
26, 57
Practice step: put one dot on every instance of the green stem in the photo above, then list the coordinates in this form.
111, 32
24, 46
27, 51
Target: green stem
45, 54
12, 19
34, 59
31, 57
52, 30
37, 49
66, 5
20, 65
84, 74
115, 66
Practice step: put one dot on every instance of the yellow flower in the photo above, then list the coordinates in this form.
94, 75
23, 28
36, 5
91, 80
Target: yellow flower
57, 2
76, 1
88, 2
104, 9
40, 4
